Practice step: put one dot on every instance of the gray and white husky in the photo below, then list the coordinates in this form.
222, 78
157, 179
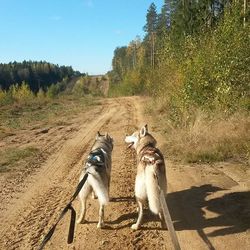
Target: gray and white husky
98, 167
151, 173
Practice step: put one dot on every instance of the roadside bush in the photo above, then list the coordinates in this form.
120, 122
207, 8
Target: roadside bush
22, 94
53, 91
80, 88
217, 77
5, 98
132, 84
41, 95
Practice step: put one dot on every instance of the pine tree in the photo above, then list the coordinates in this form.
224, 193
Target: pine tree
150, 29
164, 18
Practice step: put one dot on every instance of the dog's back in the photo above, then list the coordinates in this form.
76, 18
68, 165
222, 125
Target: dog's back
152, 162
98, 167
151, 177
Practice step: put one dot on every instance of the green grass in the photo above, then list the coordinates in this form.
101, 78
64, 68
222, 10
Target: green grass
9, 158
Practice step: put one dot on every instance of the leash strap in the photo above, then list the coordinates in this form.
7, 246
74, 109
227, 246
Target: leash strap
51, 231
72, 225
169, 222
79, 186
65, 210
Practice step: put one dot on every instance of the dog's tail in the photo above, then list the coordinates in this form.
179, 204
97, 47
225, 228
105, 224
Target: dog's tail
153, 181
100, 189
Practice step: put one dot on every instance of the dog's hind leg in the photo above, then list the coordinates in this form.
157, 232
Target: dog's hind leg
81, 218
137, 225
83, 195
101, 217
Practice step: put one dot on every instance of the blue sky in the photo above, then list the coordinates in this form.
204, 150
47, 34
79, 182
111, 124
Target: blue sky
80, 33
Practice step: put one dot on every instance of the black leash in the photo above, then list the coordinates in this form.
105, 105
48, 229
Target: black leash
65, 210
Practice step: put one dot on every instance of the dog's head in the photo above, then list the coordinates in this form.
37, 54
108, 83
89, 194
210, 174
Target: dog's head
106, 140
140, 139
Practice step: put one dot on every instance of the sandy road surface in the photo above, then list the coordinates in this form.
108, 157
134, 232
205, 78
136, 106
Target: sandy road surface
210, 205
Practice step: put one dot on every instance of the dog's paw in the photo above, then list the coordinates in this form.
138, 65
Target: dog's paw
135, 227
100, 225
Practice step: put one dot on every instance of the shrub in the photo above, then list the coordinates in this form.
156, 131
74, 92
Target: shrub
22, 94
41, 94
5, 97
80, 88
52, 91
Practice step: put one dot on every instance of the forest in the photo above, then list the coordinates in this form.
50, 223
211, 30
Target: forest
38, 75
194, 54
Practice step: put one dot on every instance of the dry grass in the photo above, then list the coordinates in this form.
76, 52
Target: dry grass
19, 116
206, 138
10, 157
216, 139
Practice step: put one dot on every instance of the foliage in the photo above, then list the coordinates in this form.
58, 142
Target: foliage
5, 97
41, 94
36, 74
201, 57
218, 76
53, 91
81, 86
21, 94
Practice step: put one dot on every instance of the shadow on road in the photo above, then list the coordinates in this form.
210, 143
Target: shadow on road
232, 212
232, 209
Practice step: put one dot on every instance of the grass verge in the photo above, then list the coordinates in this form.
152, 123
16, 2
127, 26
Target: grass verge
205, 137
19, 116
11, 157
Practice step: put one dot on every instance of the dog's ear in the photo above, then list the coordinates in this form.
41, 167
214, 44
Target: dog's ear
144, 130
108, 137
98, 134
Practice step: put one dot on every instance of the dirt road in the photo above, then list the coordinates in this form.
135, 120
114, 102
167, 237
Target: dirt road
210, 205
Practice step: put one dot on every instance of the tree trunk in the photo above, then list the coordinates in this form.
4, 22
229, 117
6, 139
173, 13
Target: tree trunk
244, 12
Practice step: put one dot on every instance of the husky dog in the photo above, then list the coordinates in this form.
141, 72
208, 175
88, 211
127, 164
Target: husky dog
98, 167
151, 176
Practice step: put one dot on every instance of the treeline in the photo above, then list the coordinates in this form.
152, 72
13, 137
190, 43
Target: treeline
38, 75
194, 54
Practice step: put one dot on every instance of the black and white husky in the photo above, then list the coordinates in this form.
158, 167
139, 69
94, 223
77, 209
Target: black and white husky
98, 167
